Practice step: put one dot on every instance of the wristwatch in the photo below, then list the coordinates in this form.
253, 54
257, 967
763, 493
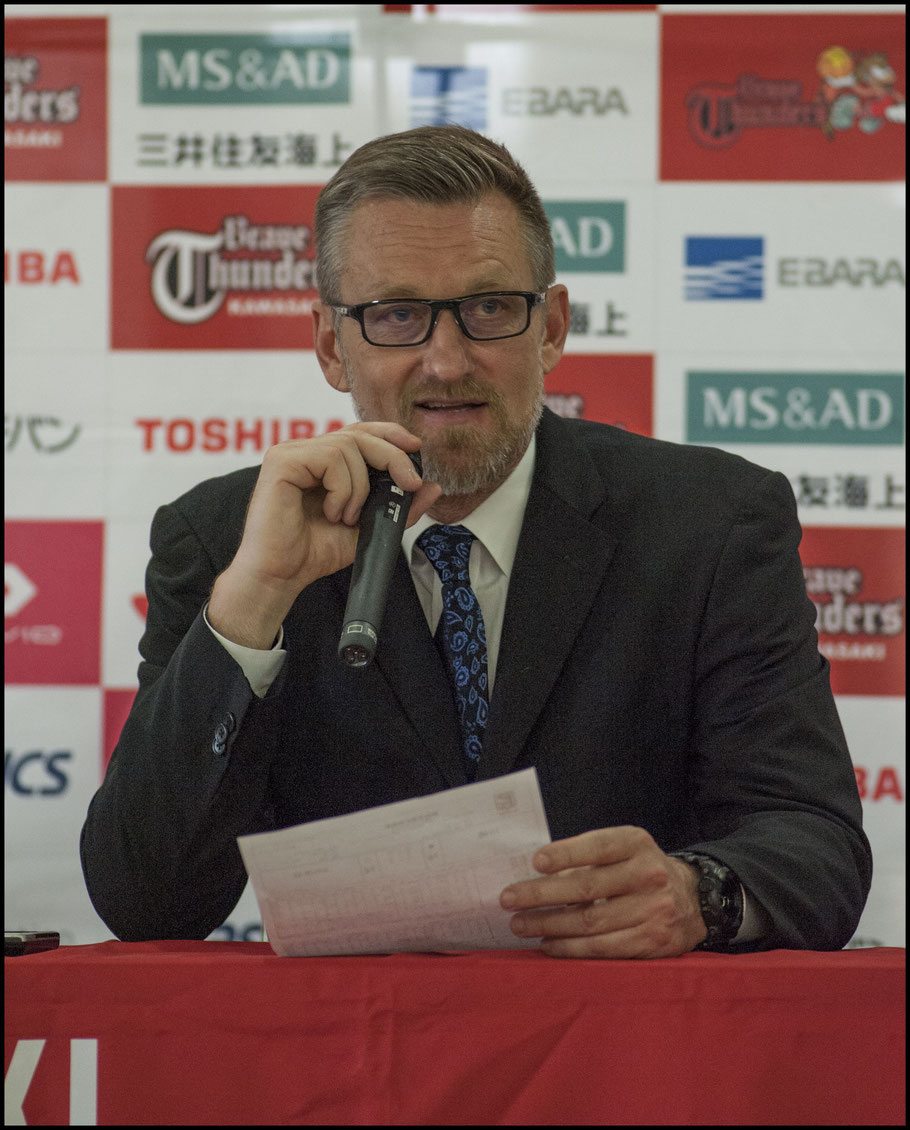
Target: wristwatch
720, 898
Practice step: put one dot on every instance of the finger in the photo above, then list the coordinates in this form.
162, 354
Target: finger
360, 449
641, 873
603, 916
387, 453
623, 944
403, 475
578, 885
423, 500
343, 477
379, 444
396, 434
602, 845
384, 445
647, 938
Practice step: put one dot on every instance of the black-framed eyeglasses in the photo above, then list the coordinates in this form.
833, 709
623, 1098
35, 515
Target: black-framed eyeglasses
410, 321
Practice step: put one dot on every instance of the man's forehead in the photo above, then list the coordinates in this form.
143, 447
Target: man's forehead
392, 289
375, 219
395, 247
408, 206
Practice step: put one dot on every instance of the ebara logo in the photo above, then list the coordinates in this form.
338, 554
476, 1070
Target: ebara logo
440, 95
724, 267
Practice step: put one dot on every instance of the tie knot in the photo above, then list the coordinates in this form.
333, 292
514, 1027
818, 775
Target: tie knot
448, 549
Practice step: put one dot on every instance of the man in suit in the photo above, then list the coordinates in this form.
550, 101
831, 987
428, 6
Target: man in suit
649, 645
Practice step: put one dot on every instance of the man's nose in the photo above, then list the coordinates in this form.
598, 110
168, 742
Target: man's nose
445, 355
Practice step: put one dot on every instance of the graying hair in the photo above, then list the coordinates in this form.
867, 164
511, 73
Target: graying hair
432, 165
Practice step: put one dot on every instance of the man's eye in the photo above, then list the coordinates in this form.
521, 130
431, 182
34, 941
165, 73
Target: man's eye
486, 307
399, 314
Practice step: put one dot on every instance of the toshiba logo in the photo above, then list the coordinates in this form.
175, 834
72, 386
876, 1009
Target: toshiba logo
218, 434
26, 267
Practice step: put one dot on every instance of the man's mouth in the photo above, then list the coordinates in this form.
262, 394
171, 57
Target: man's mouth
436, 410
449, 405
444, 405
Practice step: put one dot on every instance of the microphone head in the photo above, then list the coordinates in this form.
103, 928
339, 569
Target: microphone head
358, 644
355, 656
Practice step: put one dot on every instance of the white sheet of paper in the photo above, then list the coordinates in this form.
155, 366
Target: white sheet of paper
420, 874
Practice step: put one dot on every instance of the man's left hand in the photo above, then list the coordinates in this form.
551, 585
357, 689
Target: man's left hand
608, 893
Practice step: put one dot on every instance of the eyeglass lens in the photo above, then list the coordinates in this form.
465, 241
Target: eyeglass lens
484, 317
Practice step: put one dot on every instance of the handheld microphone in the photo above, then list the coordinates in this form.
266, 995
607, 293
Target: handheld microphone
382, 522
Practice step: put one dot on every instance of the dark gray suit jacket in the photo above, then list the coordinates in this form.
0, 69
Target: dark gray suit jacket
659, 667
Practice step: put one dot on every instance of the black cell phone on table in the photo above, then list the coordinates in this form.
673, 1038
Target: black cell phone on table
18, 942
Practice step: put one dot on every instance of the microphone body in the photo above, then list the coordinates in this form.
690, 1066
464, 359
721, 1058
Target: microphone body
381, 525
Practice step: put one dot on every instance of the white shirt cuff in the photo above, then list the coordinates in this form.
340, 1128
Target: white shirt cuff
754, 924
260, 668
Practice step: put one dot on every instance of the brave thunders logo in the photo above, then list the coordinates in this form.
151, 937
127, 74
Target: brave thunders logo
212, 267
858, 91
855, 91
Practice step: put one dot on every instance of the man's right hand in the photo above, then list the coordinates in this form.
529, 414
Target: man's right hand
301, 523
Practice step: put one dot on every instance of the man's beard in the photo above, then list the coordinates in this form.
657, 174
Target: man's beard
464, 459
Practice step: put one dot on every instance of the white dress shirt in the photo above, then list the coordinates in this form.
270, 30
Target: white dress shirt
496, 525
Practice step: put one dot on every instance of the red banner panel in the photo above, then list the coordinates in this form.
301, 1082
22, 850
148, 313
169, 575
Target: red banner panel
784, 96
613, 388
212, 267
52, 602
856, 579
55, 99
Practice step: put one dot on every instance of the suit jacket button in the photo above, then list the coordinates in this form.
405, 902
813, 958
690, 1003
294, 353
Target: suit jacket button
219, 745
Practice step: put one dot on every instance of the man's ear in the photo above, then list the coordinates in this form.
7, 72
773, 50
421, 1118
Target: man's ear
327, 346
557, 327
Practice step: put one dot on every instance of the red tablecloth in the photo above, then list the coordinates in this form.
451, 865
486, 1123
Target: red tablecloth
166, 1033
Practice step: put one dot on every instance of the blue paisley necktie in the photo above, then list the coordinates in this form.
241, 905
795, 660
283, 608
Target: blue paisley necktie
460, 635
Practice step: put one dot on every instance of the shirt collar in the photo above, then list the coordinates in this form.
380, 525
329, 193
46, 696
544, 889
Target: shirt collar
496, 522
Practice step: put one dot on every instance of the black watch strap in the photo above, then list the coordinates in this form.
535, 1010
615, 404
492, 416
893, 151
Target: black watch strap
720, 898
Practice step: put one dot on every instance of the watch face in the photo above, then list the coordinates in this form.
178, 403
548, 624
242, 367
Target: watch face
719, 898
718, 893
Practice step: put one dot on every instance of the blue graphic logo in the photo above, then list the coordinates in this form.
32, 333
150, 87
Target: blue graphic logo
443, 95
724, 267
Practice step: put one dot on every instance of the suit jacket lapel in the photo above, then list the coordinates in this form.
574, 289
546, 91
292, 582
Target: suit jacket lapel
408, 660
558, 571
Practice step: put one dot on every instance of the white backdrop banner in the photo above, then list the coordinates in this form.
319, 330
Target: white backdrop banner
725, 186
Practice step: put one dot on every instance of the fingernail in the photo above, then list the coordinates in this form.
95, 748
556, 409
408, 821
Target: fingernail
507, 900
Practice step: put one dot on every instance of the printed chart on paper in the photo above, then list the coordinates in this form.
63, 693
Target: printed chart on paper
420, 874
